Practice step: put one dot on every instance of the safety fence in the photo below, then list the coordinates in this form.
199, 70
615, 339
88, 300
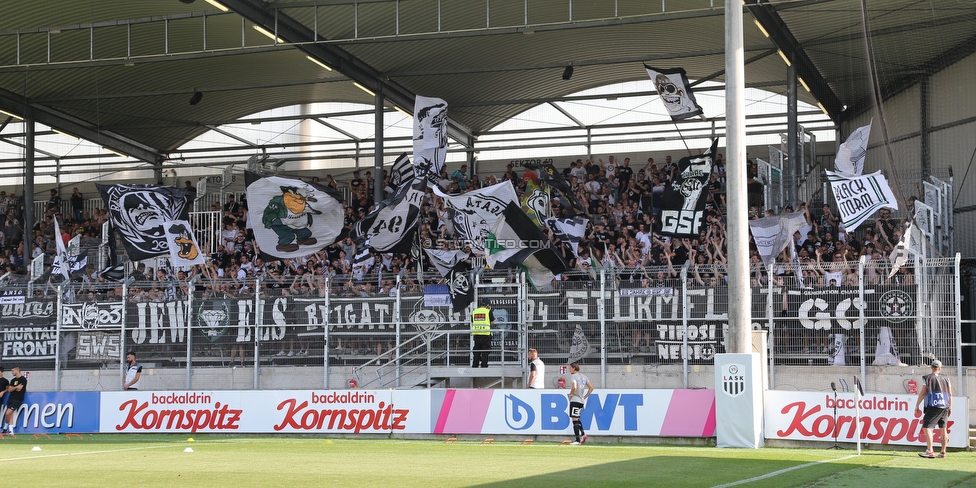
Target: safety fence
631, 316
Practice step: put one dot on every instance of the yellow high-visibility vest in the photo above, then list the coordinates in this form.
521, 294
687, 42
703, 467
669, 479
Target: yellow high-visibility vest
481, 321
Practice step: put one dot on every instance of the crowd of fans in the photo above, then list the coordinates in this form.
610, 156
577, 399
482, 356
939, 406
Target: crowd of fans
622, 203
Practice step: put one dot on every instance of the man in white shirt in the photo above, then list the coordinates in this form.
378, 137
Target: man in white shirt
537, 371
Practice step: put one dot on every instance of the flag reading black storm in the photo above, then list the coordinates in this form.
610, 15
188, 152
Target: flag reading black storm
672, 86
139, 211
296, 218
683, 201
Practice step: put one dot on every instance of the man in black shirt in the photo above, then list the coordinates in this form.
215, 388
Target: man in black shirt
624, 175
15, 396
3, 392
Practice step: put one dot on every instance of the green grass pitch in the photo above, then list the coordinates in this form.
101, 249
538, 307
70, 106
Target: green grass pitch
159, 460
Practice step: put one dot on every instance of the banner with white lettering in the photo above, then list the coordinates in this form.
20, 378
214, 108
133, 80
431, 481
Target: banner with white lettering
683, 202
885, 418
684, 413
29, 330
57, 413
858, 197
92, 315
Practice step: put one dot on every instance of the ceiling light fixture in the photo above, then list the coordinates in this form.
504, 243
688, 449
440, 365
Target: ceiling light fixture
197, 96
823, 109
269, 34
568, 72
15, 117
219, 5
320, 63
761, 28
402, 111
805, 86
785, 59
113, 151
66, 134
363, 88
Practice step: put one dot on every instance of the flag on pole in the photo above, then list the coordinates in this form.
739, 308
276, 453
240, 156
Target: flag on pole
391, 226
474, 213
183, 248
297, 218
138, 212
550, 176
772, 234
672, 85
580, 346
515, 242
683, 201
429, 138
909, 245
453, 265
858, 197
569, 230
61, 265
850, 154
535, 202
402, 172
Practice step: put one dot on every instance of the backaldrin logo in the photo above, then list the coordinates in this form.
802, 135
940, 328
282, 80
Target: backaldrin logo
554, 411
733, 379
382, 418
148, 416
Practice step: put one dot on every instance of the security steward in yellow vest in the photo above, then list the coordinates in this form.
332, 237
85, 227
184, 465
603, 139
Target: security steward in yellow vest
481, 333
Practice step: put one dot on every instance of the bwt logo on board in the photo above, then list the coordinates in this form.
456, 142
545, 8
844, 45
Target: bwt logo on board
553, 411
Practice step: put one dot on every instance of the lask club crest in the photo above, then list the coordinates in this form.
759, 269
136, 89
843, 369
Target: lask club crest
733, 379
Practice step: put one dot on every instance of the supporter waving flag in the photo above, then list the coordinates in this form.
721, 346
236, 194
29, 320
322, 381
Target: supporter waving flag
183, 248
672, 85
454, 266
138, 213
858, 197
570, 230
474, 213
296, 218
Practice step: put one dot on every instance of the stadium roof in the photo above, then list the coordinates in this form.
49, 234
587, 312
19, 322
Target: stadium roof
123, 73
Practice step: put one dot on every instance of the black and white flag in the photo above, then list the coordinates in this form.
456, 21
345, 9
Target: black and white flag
474, 213
909, 245
683, 201
401, 173
672, 85
850, 154
454, 266
772, 234
183, 248
515, 241
390, 226
138, 213
429, 138
296, 218
66, 264
858, 197
569, 230
580, 346
551, 176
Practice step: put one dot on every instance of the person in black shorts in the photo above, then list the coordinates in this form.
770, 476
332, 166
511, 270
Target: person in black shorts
15, 396
577, 399
3, 394
937, 394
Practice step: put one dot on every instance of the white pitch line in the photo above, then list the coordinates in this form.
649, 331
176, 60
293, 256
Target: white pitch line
83, 453
785, 470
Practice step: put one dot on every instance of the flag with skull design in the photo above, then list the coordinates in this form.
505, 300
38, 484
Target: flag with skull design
138, 213
672, 85
683, 201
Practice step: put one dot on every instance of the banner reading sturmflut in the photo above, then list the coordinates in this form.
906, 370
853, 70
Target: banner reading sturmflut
858, 197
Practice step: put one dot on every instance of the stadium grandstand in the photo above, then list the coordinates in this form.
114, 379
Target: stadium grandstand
128, 129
